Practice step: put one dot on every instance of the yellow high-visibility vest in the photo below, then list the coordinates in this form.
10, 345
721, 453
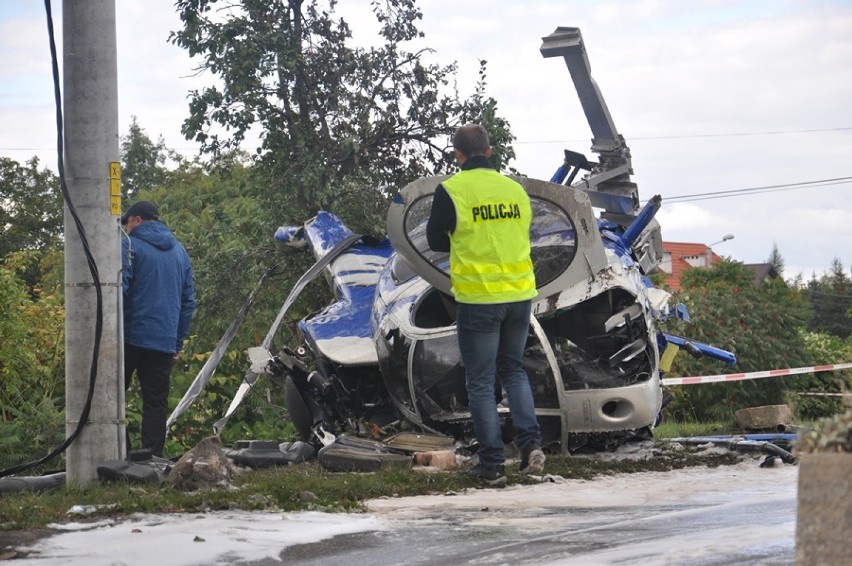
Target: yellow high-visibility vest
490, 248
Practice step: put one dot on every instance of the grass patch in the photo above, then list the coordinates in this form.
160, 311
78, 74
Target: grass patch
676, 430
300, 488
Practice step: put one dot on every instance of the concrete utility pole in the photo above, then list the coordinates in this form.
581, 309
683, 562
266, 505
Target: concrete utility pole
91, 160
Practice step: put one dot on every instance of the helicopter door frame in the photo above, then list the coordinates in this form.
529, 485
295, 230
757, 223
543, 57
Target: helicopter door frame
588, 257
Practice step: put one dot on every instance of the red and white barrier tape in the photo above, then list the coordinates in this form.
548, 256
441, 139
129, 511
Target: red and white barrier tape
751, 375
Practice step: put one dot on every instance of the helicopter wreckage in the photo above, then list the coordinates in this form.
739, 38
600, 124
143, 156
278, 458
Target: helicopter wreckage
382, 355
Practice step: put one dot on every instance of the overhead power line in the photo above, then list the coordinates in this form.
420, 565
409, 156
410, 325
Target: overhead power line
759, 190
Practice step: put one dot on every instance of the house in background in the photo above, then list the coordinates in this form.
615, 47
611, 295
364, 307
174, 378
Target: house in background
679, 257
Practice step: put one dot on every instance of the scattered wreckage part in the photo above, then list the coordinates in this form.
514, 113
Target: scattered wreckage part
352, 454
131, 472
441, 459
32, 483
417, 442
140, 466
744, 444
325, 438
304, 417
292, 236
698, 349
311, 274
594, 442
261, 360
268, 453
784, 440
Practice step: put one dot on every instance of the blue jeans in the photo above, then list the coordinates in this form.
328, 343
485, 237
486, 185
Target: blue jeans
492, 339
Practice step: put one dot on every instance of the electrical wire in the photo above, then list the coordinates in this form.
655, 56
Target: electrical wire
758, 190
90, 261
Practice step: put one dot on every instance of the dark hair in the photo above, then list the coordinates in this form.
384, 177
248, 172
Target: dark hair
471, 139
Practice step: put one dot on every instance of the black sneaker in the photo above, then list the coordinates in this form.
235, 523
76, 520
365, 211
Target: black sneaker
532, 459
492, 475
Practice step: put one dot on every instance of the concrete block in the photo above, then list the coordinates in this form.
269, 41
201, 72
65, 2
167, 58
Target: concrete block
764, 418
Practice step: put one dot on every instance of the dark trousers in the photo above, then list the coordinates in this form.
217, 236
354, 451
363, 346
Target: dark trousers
153, 370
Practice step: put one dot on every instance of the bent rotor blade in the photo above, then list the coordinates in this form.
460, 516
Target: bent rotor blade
209, 368
308, 276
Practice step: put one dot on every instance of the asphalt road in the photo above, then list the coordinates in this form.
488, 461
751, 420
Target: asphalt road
739, 514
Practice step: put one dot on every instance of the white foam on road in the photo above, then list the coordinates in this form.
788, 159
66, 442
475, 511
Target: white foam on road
221, 537
696, 485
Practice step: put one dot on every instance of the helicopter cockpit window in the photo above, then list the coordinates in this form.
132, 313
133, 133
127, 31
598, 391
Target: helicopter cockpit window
552, 236
401, 270
553, 240
416, 218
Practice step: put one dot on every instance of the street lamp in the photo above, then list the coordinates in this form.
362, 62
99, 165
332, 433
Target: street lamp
725, 238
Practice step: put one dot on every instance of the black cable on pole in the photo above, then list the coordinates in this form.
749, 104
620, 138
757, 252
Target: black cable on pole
90, 260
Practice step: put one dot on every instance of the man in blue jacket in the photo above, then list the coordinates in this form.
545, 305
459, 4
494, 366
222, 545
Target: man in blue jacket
159, 299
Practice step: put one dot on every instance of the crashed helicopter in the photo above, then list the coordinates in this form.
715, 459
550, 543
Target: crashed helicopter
384, 350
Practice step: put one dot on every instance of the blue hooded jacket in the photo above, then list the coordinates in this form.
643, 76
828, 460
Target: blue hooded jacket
159, 292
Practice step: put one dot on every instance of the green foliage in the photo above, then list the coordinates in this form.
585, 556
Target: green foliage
31, 216
761, 324
672, 429
143, 162
32, 346
776, 260
482, 109
339, 124
823, 349
831, 297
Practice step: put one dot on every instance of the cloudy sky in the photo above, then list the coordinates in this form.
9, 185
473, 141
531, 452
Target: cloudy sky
711, 96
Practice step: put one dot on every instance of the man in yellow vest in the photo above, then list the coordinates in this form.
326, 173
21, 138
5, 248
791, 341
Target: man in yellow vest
482, 219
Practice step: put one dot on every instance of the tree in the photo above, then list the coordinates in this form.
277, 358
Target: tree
30, 207
482, 109
776, 260
761, 324
831, 297
339, 125
143, 162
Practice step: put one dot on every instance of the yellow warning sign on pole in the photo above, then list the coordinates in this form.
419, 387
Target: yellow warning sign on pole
115, 187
